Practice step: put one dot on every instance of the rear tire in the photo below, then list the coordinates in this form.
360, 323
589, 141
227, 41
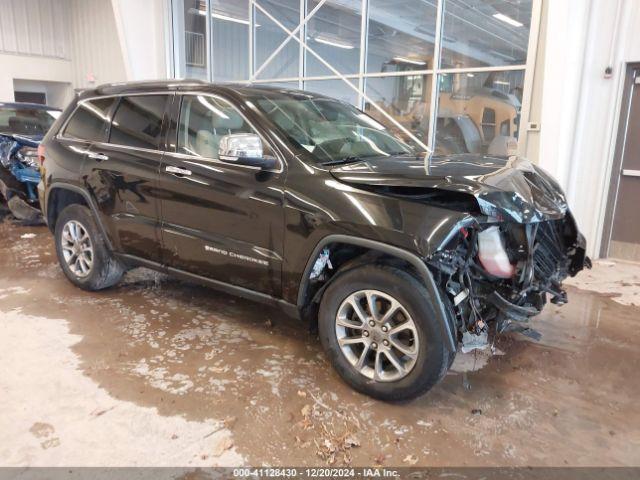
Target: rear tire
413, 363
82, 252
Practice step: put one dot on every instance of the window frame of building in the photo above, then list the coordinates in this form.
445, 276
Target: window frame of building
358, 79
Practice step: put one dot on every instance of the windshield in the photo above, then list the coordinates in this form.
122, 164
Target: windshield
26, 121
332, 131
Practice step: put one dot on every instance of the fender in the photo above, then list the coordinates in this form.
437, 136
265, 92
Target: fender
90, 202
414, 260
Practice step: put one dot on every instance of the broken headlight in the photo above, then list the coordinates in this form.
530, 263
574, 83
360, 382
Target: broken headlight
28, 156
492, 253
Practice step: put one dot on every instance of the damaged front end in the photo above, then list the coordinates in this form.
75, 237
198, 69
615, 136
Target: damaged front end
516, 243
503, 273
19, 176
503, 268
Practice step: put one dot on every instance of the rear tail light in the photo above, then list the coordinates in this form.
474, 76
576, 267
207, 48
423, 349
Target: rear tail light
41, 152
492, 254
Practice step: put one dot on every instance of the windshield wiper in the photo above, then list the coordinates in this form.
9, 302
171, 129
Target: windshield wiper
342, 161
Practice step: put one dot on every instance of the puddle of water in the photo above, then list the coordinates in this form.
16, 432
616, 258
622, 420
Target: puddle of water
189, 352
63, 418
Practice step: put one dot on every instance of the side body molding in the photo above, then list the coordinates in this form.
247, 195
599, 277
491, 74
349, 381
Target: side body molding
420, 266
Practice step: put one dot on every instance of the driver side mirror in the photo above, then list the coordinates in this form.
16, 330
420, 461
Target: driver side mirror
244, 149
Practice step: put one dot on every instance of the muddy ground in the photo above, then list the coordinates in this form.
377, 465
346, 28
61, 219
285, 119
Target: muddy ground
162, 372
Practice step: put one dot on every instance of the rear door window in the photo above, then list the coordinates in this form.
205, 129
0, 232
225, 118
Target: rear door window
90, 120
138, 121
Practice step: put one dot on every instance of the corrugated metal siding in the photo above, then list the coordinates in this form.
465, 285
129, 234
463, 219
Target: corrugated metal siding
83, 31
231, 51
96, 48
34, 27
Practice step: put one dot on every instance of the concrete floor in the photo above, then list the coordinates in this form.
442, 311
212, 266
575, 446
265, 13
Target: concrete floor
159, 372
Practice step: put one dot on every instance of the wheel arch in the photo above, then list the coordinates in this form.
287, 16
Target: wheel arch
61, 195
386, 252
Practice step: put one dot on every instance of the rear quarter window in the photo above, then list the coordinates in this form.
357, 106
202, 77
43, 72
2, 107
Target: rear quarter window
138, 121
90, 120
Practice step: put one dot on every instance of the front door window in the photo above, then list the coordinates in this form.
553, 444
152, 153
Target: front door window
204, 120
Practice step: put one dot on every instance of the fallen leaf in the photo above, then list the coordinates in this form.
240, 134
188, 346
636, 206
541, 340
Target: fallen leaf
410, 459
230, 422
222, 446
301, 443
351, 441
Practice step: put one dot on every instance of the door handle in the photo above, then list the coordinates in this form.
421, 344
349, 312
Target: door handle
98, 156
177, 171
631, 173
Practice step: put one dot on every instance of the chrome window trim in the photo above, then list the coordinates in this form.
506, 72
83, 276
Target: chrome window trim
128, 147
61, 136
187, 157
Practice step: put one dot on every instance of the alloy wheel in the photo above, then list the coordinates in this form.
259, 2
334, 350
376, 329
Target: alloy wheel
77, 248
377, 335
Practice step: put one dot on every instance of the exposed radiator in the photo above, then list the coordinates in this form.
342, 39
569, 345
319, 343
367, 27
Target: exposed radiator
549, 259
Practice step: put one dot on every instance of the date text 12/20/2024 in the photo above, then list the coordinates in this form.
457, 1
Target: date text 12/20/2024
315, 473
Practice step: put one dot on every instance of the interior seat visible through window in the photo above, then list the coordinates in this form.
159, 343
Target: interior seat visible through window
203, 122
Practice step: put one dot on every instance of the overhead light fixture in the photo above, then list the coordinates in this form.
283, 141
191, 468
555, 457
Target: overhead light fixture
221, 16
346, 46
470, 75
509, 20
409, 60
501, 82
227, 18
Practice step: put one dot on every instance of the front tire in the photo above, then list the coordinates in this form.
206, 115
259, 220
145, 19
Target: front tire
378, 326
82, 252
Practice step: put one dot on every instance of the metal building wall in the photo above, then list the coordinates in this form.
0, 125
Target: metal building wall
95, 47
74, 43
35, 27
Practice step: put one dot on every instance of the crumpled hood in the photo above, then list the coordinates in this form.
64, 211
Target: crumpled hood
511, 189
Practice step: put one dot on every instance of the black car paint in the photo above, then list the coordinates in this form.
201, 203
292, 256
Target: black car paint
284, 216
510, 189
221, 210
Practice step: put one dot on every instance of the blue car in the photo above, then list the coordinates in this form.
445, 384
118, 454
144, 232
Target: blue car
22, 127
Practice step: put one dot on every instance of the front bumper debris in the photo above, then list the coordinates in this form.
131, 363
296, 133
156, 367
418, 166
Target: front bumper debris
543, 254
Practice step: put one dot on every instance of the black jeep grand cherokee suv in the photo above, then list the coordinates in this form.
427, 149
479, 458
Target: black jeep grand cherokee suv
302, 201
